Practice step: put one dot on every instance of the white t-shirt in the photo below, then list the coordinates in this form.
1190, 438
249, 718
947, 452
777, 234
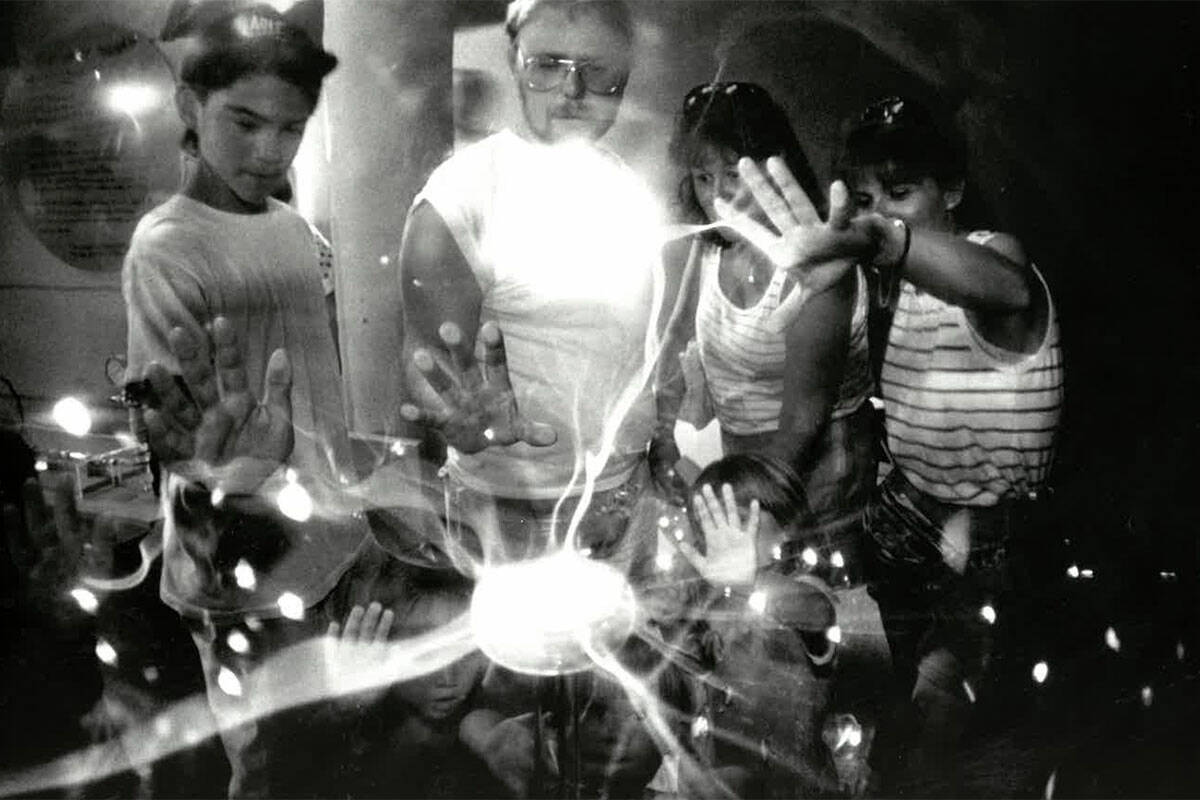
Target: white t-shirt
563, 241
189, 263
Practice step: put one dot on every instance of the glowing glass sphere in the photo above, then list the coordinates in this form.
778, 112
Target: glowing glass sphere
541, 617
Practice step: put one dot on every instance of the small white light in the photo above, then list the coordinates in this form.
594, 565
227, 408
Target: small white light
489, 434
969, 691
585, 552
72, 416
1110, 639
163, 726
96, 72
229, 682
1147, 696
243, 573
150, 674
106, 653
385, 260
809, 556
295, 502
728, 591
1041, 670
989, 614
40, 465
834, 634
758, 601
1179, 651
86, 600
238, 642
254, 624
290, 475
397, 448
1087, 572
664, 560
700, 727
217, 497
777, 552
664, 521
1167, 575
1049, 793
132, 99
291, 606
837, 559
679, 534
849, 732
1073, 571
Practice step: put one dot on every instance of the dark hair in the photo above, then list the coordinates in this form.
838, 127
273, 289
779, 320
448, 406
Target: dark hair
614, 12
744, 119
906, 138
773, 483
255, 41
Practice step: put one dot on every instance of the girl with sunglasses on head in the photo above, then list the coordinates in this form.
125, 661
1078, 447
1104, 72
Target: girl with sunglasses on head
791, 385
972, 383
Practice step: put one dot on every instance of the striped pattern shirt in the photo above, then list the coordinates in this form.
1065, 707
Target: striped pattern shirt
968, 422
743, 355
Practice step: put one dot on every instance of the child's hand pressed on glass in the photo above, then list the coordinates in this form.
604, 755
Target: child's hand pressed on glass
216, 420
357, 648
730, 541
479, 409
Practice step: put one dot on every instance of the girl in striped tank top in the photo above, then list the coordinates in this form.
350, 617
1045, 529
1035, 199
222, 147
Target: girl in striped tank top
791, 386
972, 384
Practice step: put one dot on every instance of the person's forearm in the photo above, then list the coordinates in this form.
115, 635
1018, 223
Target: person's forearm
799, 430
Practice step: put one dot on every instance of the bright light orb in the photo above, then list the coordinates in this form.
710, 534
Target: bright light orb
72, 416
1147, 696
837, 559
243, 573
1041, 671
238, 642
758, 601
989, 614
295, 502
85, 599
541, 617
809, 556
290, 605
106, 652
1111, 639
229, 682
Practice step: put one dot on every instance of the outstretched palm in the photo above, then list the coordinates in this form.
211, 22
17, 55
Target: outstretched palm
478, 407
218, 422
730, 541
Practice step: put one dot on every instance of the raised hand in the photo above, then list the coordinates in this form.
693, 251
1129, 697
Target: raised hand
478, 408
730, 541
216, 420
358, 647
819, 253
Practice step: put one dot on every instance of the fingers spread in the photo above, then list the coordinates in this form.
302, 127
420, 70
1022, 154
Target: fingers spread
353, 623
211, 435
278, 388
231, 368
495, 357
433, 373
193, 361
798, 202
173, 403
768, 197
841, 209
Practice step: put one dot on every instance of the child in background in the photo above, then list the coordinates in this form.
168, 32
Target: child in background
794, 386
771, 633
972, 384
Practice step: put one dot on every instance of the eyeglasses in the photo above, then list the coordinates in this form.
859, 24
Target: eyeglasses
542, 73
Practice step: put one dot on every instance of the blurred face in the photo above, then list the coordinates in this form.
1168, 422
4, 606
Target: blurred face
249, 134
442, 694
600, 55
714, 174
920, 202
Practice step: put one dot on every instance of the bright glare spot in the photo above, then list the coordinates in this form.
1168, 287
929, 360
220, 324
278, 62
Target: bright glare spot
700, 727
989, 614
132, 98
728, 591
217, 497
291, 606
489, 434
254, 624
1049, 794
96, 72
664, 560
243, 573
86, 600
295, 502
837, 559
40, 465
679, 534
290, 475
809, 556
849, 733
385, 260
1110, 639
105, 652
150, 674
585, 552
664, 521
1073, 571
1041, 670
229, 682
1147, 696
970, 692
238, 642
397, 448
1167, 575
1087, 573
834, 634
541, 617
777, 552
758, 601
72, 416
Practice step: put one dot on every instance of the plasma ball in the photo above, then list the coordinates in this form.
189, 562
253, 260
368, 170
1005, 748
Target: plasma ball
541, 617
989, 614
1041, 671
291, 606
85, 599
72, 416
229, 683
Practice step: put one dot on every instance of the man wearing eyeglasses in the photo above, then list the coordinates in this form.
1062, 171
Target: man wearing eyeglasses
542, 233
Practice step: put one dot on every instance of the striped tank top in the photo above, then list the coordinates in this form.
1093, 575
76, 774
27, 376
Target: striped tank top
743, 354
968, 422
